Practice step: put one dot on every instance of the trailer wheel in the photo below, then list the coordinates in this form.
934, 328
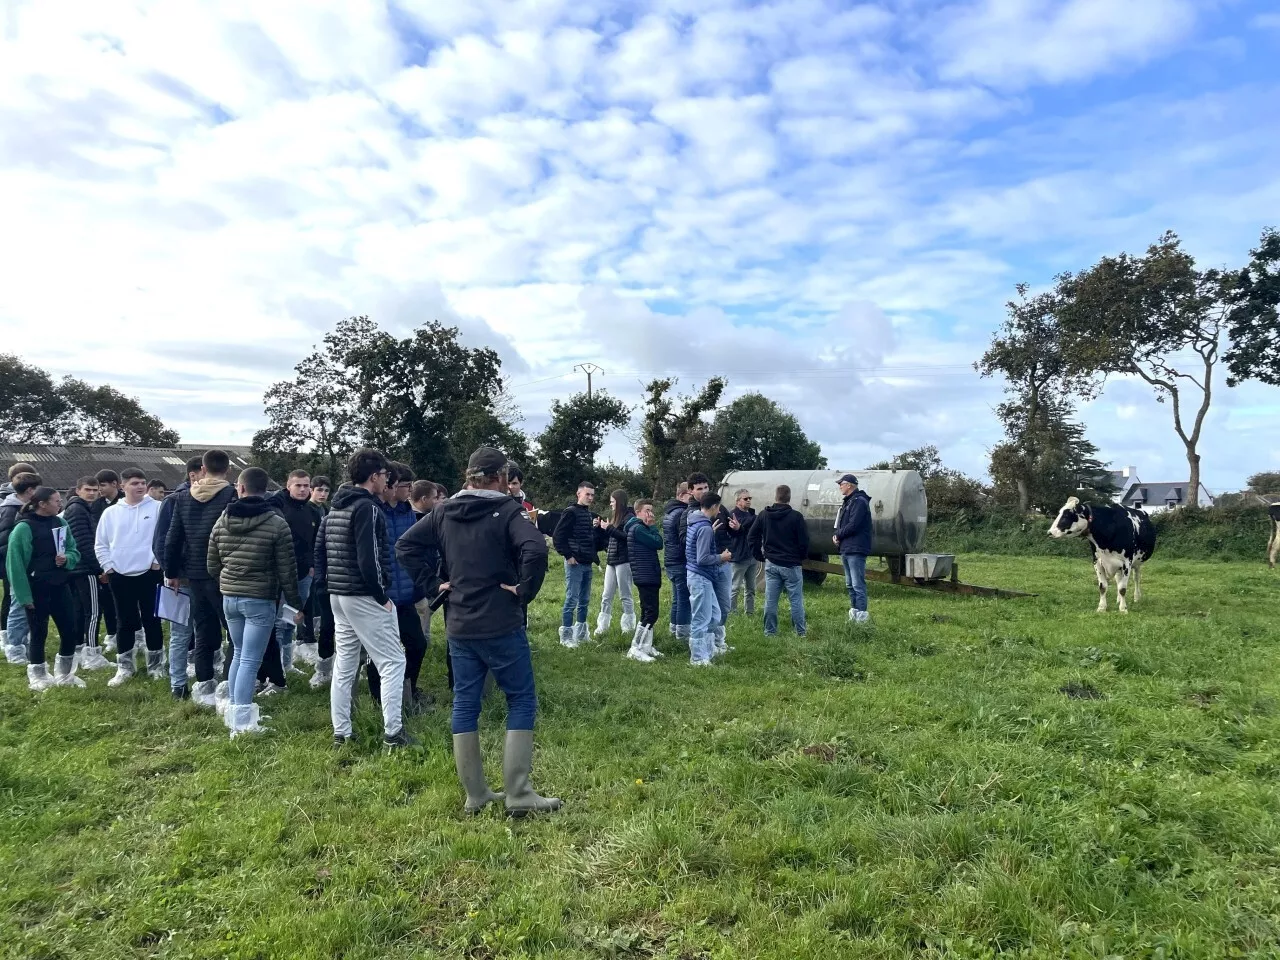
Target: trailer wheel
816, 577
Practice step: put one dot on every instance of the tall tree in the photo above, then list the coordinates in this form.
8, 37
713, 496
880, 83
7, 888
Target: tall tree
670, 433
754, 433
311, 419
947, 491
1027, 352
1156, 317
30, 406
567, 448
1254, 318
35, 409
1065, 462
426, 399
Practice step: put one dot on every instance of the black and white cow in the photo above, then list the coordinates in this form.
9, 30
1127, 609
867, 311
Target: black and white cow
1273, 544
1121, 539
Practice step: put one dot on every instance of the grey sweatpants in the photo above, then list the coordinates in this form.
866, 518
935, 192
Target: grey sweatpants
617, 581
363, 622
744, 583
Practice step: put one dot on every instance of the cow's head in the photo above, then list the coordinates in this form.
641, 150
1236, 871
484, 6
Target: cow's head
1072, 520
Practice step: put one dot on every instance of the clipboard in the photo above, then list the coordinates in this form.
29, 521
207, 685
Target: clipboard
172, 605
60, 541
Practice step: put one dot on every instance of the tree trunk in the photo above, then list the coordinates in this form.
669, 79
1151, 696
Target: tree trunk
1193, 493
1024, 497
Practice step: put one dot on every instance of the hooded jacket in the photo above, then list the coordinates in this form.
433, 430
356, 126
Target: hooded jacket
719, 527
779, 535
32, 554
84, 525
643, 544
8, 517
575, 535
672, 536
355, 546
186, 545
123, 538
615, 552
303, 518
165, 520
400, 520
250, 553
738, 538
853, 524
477, 541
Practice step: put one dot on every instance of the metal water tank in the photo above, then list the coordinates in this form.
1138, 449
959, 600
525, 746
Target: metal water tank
899, 511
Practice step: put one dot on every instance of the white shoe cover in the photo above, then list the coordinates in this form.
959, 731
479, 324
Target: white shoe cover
64, 672
125, 671
91, 658
628, 623
38, 678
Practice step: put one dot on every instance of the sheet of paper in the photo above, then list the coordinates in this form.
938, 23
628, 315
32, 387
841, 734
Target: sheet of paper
172, 605
60, 541
287, 612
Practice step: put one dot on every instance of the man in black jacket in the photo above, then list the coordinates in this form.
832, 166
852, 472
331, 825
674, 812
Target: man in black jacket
673, 561
181, 635
743, 563
480, 552
355, 550
294, 504
780, 538
84, 580
186, 555
575, 540
108, 494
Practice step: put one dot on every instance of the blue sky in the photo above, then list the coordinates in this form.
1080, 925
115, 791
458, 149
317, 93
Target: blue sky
828, 202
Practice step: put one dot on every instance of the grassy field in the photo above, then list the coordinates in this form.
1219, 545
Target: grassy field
924, 788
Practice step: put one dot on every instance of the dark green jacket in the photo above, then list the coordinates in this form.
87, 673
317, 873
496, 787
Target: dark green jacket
251, 553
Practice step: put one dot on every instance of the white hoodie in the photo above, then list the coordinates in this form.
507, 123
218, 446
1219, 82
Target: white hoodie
123, 541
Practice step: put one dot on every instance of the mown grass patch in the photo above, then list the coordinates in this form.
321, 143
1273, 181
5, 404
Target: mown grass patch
923, 788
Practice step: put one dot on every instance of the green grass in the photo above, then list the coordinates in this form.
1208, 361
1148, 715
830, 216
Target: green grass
921, 789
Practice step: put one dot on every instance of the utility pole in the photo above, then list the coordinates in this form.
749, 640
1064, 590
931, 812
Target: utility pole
589, 369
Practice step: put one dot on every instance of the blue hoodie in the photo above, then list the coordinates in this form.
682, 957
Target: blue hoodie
700, 547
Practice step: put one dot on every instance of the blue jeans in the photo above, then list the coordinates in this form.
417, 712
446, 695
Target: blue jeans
577, 593
180, 635
724, 592
855, 579
680, 610
18, 628
776, 579
249, 621
285, 625
706, 616
508, 659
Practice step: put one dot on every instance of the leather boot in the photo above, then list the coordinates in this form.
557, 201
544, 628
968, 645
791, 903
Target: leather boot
517, 762
466, 757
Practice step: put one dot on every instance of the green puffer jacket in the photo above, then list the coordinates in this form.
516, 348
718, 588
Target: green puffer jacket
251, 553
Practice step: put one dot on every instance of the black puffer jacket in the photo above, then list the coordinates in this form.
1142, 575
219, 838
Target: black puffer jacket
84, 525
186, 545
575, 535
616, 552
355, 546
476, 542
251, 553
643, 544
303, 518
673, 542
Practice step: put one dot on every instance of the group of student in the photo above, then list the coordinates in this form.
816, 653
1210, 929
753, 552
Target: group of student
711, 555
358, 580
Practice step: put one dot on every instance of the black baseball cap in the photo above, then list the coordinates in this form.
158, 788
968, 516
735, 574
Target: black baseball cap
489, 461
848, 478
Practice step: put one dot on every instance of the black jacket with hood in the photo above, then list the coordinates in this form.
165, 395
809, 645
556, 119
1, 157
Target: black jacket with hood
477, 541
355, 546
738, 538
84, 525
780, 535
186, 545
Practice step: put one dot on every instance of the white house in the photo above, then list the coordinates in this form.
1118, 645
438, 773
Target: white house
1132, 491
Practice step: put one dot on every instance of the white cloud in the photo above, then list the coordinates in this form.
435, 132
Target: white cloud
807, 196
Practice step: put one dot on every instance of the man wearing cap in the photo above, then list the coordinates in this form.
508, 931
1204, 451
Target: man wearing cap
853, 537
479, 552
